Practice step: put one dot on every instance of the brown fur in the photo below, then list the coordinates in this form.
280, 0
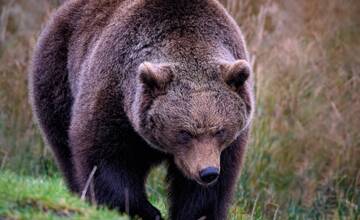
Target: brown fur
126, 84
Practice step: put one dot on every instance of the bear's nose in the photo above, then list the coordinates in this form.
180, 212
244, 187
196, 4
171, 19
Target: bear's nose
209, 175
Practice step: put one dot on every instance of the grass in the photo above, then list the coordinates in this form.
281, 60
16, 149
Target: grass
303, 157
44, 198
27, 198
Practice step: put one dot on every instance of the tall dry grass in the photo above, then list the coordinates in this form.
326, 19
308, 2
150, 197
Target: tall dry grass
306, 140
304, 156
21, 147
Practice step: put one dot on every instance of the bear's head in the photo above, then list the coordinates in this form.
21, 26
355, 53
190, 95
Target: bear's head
194, 122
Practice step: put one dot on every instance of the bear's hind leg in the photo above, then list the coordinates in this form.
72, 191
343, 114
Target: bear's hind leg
50, 95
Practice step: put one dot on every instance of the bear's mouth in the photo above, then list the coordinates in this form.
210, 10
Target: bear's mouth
204, 184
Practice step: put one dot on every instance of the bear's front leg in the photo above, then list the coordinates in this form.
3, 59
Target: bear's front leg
116, 186
191, 201
122, 160
122, 189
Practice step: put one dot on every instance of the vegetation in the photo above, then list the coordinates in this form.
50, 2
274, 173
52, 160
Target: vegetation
303, 161
44, 198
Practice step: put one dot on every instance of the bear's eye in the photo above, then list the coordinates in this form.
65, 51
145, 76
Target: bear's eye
221, 134
184, 137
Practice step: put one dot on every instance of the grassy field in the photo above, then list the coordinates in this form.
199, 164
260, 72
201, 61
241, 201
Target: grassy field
303, 161
44, 198
26, 197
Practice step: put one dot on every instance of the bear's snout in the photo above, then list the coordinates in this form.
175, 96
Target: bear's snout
200, 161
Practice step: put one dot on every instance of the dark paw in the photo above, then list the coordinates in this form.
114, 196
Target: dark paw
157, 215
151, 213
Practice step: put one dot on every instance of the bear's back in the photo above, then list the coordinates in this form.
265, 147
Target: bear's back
132, 31
87, 22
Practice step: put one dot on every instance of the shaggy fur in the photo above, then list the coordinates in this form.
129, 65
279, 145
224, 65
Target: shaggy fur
126, 84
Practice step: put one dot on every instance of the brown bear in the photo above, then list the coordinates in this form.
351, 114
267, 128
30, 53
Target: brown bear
123, 85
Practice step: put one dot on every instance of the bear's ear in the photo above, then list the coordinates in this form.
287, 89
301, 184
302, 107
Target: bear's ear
155, 77
235, 74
